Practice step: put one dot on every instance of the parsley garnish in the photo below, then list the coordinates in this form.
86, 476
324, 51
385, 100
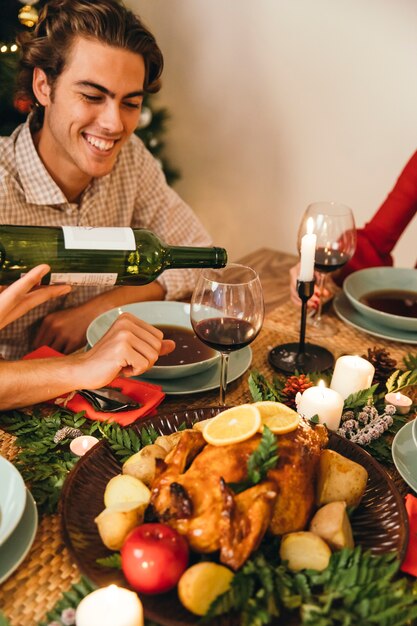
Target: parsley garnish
261, 460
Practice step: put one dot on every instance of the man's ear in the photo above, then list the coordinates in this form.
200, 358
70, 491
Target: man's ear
41, 87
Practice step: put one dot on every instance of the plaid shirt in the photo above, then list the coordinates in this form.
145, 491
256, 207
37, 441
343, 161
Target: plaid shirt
134, 194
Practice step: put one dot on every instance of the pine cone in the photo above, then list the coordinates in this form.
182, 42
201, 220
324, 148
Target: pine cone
66, 433
293, 385
384, 365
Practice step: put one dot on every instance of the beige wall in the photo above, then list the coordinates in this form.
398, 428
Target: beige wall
278, 103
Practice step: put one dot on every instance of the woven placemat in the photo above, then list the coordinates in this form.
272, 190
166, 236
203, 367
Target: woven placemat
48, 570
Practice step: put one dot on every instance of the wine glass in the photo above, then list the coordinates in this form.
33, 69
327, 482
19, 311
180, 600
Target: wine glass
334, 226
227, 311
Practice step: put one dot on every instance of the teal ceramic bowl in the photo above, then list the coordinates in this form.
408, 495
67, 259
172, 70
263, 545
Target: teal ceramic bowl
12, 498
371, 279
163, 313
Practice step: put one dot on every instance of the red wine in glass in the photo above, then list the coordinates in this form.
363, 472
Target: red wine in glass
326, 261
225, 333
227, 311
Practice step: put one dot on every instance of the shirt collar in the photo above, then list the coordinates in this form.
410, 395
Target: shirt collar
38, 186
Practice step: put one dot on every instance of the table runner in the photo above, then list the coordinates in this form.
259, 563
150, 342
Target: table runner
48, 570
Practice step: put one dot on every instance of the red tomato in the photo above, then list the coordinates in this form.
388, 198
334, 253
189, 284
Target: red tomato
154, 556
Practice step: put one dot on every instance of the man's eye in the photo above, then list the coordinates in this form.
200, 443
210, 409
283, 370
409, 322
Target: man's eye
91, 98
133, 105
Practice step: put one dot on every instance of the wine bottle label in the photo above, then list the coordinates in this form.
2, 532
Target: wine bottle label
74, 278
89, 238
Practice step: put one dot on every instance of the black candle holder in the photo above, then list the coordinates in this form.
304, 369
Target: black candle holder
301, 357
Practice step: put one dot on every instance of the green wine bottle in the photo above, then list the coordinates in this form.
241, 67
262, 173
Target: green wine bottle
96, 256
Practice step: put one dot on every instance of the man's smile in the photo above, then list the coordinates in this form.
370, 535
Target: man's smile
104, 145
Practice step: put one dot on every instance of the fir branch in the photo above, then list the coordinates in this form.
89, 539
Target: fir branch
410, 361
359, 399
113, 560
261, 389
262, 459
70, 600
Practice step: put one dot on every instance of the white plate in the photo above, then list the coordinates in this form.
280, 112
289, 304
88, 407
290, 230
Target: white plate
12, 498
404, 454
210, 379
14, 550
351, 316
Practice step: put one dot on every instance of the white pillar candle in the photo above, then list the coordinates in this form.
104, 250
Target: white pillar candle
110, 606
401, 402
351, 374
308, 251
80, 445
324, 402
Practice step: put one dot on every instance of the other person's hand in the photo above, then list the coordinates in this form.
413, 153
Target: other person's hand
24, 294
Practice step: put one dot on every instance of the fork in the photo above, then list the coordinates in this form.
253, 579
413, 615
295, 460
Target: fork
108, 399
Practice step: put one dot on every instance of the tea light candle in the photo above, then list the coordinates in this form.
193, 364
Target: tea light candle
324, 402
401, 402
351, 374
80, 445
308, 251
110, 606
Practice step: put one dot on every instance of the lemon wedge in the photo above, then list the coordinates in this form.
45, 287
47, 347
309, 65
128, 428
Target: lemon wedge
279, 418
233, 425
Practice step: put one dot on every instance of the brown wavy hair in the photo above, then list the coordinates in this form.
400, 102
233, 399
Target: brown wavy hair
60, 21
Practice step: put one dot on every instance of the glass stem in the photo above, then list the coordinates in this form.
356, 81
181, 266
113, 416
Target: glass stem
224, 366
322, 281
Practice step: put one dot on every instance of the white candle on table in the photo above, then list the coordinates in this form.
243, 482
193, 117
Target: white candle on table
351, 374
307, 253
324, 402
80, 445
401, 402
110, 606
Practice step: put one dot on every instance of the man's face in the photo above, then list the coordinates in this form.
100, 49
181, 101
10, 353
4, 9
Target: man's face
91, 112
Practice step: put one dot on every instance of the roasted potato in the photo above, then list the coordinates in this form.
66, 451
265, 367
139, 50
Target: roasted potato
305, 550
125, 488
142, 465
168, 442
331, 523
200, 425
200, 585
340, 478
116, 521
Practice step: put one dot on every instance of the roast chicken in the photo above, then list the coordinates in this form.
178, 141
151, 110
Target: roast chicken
193, 492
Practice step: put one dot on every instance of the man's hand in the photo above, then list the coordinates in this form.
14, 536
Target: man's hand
64, 330
129, 348
23, 295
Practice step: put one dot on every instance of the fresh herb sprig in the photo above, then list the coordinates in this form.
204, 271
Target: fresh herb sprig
356, 588
262, 459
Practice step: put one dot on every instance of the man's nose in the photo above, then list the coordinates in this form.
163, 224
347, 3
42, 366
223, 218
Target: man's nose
110, 117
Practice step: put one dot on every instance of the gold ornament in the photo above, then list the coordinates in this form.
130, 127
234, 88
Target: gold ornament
28, 16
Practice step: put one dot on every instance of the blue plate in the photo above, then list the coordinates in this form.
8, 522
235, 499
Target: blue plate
404, 454
239, 362
14, 550
351, 316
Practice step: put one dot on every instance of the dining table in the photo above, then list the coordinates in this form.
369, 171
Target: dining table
49, 569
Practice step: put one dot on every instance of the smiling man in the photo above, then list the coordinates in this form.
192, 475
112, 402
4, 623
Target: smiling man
77, 162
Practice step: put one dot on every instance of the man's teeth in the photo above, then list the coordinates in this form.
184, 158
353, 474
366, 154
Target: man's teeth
100, 143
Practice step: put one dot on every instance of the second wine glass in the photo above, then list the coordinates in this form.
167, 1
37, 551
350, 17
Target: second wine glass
227, 311
334, 226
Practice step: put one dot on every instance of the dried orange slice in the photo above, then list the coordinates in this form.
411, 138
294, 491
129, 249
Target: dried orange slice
233, 425
279, 418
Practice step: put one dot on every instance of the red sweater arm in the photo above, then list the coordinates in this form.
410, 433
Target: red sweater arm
379, 236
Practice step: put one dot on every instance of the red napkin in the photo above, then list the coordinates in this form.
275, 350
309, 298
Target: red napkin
410, 562
149, 396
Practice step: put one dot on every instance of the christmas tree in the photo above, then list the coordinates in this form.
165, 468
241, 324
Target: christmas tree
18, 15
